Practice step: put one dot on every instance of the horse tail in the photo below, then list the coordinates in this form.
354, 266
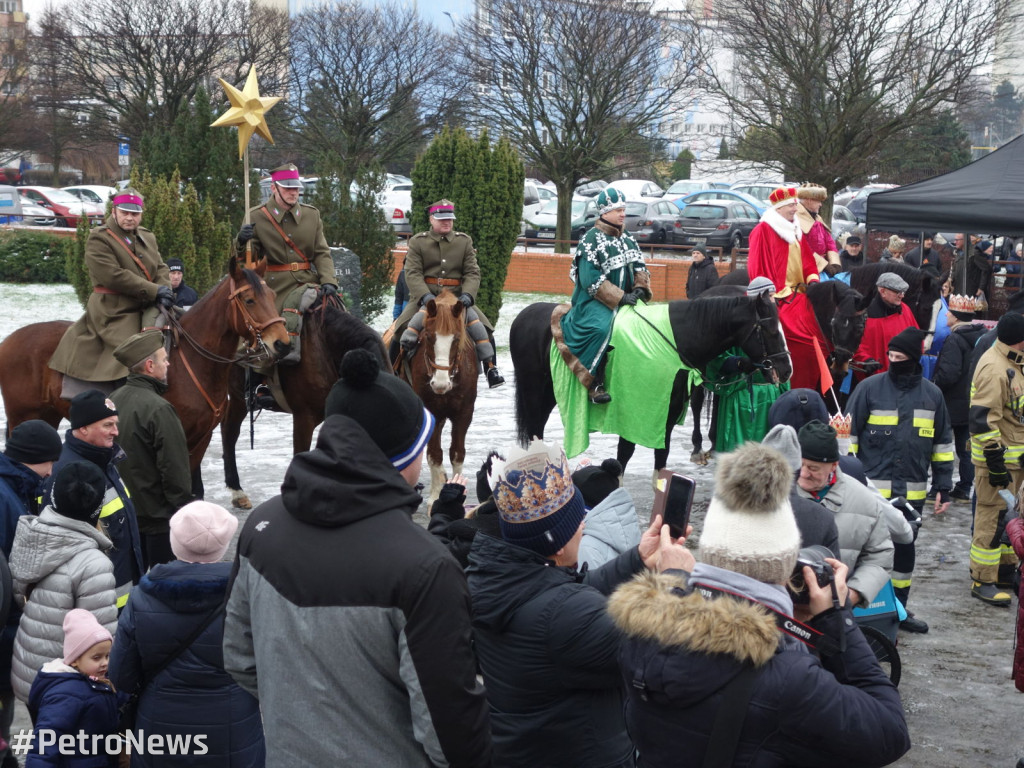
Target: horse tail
529, 343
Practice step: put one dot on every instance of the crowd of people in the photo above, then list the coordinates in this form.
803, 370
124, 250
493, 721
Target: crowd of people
544, 626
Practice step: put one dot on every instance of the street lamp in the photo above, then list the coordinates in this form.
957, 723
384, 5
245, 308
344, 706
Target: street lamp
451, 19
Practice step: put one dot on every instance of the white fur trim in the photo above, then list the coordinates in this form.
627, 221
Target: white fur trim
787, 230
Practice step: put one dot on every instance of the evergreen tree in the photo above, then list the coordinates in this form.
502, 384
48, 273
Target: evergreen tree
682, 165
723, 151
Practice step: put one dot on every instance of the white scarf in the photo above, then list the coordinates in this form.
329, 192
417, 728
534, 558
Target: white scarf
787, 230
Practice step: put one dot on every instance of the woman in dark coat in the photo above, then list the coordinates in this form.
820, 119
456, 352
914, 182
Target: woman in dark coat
192, 695
979, 268
703, 274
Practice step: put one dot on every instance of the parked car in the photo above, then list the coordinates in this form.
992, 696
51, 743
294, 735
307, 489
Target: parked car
35, 215
756, 190
843, 221
858, 205
651, 220
67, 208
684, 187
542, 225
397, 205
709, 195
92, 193
634, 189
721, 224
591, 188
531, 200
845, 195
10, 205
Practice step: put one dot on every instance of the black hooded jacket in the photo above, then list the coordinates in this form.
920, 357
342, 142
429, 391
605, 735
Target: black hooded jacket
953, 370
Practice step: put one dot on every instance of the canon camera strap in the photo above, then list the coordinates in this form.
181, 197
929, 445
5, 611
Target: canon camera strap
809, 636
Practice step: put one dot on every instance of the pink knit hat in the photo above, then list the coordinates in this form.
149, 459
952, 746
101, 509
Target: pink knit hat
201, 532
81, 632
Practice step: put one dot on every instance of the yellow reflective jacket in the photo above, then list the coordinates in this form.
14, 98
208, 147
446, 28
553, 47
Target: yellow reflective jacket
996, 418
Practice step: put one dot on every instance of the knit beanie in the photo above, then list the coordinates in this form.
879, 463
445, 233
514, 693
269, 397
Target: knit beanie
33, 442
597, 482
749, 527
385, 406
1010, 329
81, 632
78, 491
539, 508
783, 439
89, 407
910, 341
201, 532
818, 442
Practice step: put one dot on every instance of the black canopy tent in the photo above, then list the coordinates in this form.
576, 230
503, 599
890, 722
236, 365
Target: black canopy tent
985, 196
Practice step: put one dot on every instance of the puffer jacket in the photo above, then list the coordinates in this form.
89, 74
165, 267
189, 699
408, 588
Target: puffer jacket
953, 369
547, 651
702, 275
681, 650
65, 701
193, 694
57, 564
612, 528
864, 541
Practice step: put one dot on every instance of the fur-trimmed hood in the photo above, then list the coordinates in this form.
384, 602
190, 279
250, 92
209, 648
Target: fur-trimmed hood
647, 609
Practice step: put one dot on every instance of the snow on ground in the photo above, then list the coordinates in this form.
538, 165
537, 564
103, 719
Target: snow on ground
962, 707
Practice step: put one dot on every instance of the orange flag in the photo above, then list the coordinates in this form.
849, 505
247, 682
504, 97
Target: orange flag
823, 371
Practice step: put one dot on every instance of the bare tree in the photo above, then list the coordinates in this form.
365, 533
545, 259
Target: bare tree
823, 85
578, 87
14, 67
368, 83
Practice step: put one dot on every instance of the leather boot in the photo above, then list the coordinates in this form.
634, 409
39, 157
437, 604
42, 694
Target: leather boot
494, 377
598, 394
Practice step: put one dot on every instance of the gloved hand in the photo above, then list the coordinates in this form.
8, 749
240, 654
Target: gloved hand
871, 366
628, 298
998, 477
245, 234
466, 299
452, 492
165, 297
427, 297
833, 269
328, 290
641, 294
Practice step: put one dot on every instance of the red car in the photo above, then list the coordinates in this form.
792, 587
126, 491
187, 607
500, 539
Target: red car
66, 207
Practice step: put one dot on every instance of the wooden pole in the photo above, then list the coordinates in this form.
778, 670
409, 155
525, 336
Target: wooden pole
249, 264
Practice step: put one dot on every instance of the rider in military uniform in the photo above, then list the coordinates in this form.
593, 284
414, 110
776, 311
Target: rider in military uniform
130, 282
441, 258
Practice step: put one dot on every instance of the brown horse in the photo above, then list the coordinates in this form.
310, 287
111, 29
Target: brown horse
328, 332
443, 372
240, 306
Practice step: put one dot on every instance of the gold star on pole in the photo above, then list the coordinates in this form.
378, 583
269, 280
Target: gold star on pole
248, 111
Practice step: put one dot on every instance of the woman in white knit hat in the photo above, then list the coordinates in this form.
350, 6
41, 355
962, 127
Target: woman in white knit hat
723, 640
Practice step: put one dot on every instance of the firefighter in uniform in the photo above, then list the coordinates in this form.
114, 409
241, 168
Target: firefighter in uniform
899, 429
130, 282
442, 258
996, 424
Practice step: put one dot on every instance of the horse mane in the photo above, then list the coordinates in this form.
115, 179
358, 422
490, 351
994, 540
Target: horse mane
255, 281
711, 312
333, 332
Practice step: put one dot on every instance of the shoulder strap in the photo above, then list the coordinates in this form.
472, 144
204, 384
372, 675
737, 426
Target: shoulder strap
725, 733
182, 647
284, 235
129, 251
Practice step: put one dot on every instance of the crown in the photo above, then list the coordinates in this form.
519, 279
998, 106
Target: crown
781, 196
532, 484
841, 424
963, 304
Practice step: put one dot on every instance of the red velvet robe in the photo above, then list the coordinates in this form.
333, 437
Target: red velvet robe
878, 332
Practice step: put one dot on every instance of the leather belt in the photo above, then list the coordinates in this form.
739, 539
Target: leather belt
449, 282
103, 289
293, 266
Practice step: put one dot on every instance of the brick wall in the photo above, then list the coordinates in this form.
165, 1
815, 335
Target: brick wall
530, 272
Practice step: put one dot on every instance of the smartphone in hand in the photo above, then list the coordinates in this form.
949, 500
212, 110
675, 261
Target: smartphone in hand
673, 500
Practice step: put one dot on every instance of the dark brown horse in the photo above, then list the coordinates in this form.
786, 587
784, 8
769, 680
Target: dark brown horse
328, 332
443, 372
240, 306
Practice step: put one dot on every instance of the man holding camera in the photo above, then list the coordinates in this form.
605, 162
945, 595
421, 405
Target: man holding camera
864, 542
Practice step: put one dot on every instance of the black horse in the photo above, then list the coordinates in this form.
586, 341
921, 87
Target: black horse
924, 291
702, 329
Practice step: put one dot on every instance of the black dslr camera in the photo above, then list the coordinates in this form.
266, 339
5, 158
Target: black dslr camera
813, 557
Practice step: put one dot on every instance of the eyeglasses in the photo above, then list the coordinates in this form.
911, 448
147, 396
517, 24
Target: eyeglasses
890, 290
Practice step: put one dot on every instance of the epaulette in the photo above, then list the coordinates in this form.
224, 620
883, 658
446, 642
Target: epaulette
460, 234
420, 234
141, 228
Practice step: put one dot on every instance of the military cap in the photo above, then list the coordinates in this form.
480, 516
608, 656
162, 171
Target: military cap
137, 348
286, 176
128, 199
442, 209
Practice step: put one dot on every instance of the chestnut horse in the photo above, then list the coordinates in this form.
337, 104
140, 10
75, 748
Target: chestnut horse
443, 372
328, 332
240, 306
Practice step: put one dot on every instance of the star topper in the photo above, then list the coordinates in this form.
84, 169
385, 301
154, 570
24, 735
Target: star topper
248, 111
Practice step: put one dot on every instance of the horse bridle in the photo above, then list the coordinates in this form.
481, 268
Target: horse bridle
453, 359
766, 362
255, 329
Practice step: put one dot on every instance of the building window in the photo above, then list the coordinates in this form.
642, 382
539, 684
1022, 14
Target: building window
545, 137
506, 76
547, 82
8, 6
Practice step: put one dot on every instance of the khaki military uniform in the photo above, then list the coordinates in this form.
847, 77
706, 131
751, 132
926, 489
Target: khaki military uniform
435, 262
125, 271
286, 270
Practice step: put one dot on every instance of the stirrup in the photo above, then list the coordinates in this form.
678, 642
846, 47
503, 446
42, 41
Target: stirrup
599, 395
262, 399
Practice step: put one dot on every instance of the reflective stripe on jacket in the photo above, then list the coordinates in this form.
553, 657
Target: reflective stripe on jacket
997, 404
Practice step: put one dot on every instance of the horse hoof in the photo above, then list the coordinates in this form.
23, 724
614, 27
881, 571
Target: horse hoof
699, 457
240, 500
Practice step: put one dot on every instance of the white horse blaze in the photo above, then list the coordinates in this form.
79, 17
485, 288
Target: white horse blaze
441, 381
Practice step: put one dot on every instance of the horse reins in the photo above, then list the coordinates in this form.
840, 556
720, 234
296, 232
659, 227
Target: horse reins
453, 367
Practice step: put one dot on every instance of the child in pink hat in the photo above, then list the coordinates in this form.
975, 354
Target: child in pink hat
71, 696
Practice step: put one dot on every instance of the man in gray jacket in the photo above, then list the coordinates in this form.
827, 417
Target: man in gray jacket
864, 541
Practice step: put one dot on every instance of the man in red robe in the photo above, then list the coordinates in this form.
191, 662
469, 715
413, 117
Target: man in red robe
779, 252
887, 316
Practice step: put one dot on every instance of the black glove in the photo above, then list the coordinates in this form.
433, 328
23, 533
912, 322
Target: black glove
452, 492
427, 297
628, 298
328, 290
466, 299
165, 297
871, 366
998, 477
833, 269
641, 294
245, 234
